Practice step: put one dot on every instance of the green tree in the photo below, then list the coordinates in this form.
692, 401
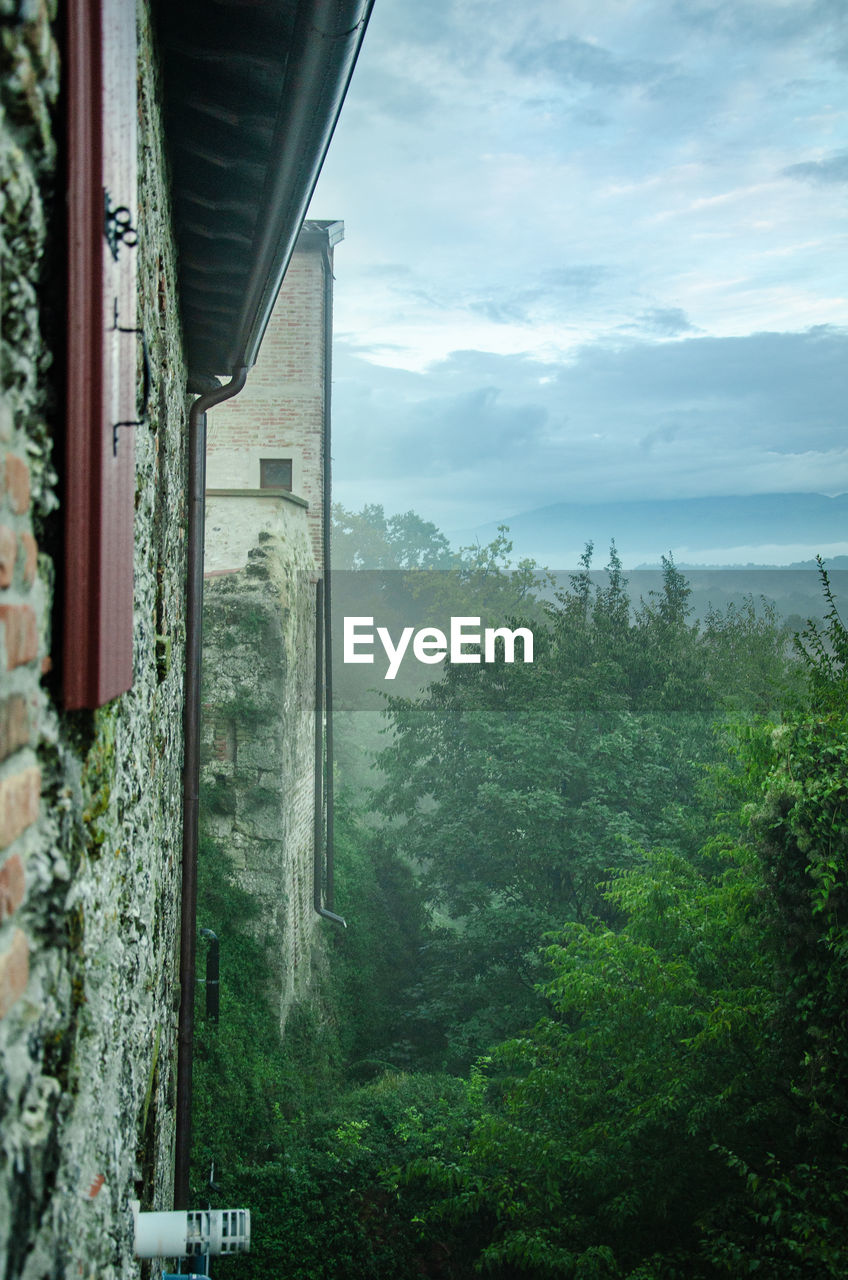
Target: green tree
369, 539
682, 1111
513, 789
376, 960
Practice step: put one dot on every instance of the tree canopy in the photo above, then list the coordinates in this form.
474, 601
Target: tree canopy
588, 1019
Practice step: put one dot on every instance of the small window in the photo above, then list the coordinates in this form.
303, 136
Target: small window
275, 473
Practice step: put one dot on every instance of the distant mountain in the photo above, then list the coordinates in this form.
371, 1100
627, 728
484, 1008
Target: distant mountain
788, 527
831, 563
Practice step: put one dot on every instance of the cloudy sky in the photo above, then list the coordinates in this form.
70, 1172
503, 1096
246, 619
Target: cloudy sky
594, 250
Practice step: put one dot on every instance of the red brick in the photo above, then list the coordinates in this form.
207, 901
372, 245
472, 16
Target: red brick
8, 554
14, 972
20, 797
21, 634
12, 886
30, 550
17, 483
14, 725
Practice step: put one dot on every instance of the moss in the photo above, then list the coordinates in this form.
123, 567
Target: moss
151, 1076
251, 713
146, 1147
218, 796
98, 805
97, 775
163, 656
76, 927
259, 798
56, 1056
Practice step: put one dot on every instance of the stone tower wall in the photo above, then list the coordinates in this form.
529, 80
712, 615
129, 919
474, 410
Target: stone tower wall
257, 792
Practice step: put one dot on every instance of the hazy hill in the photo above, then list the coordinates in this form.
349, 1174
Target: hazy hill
769, 528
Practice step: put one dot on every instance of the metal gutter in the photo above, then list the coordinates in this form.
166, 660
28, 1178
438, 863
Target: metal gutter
325, 44
191, 770
252, 94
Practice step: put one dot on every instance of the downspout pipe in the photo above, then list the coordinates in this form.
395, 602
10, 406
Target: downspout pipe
191, 768
327, 530
318, 821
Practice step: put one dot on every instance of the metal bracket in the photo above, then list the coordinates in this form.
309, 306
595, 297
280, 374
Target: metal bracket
117, 226
145, 386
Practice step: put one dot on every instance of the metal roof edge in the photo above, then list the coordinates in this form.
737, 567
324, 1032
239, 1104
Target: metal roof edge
325, 45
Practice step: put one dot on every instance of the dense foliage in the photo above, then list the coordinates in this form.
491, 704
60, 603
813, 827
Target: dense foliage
588, 1018
515, 789
369, 539
682, 1110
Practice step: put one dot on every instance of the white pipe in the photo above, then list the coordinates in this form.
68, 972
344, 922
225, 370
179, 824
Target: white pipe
182, 1234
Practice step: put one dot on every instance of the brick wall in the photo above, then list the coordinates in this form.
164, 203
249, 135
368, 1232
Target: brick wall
282, 406
27, 152
90, 804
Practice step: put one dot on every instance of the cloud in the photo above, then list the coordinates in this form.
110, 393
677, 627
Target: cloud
508, 311
833, 169
784, 391
767, 22
665, 322
522, 305
665, 435
401, 23
396, 96
581, 62
482, 435
494, 176
613, 206
581, 277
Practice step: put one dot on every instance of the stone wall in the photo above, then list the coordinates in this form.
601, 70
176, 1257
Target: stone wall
90, 803
257, 794
236, 518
